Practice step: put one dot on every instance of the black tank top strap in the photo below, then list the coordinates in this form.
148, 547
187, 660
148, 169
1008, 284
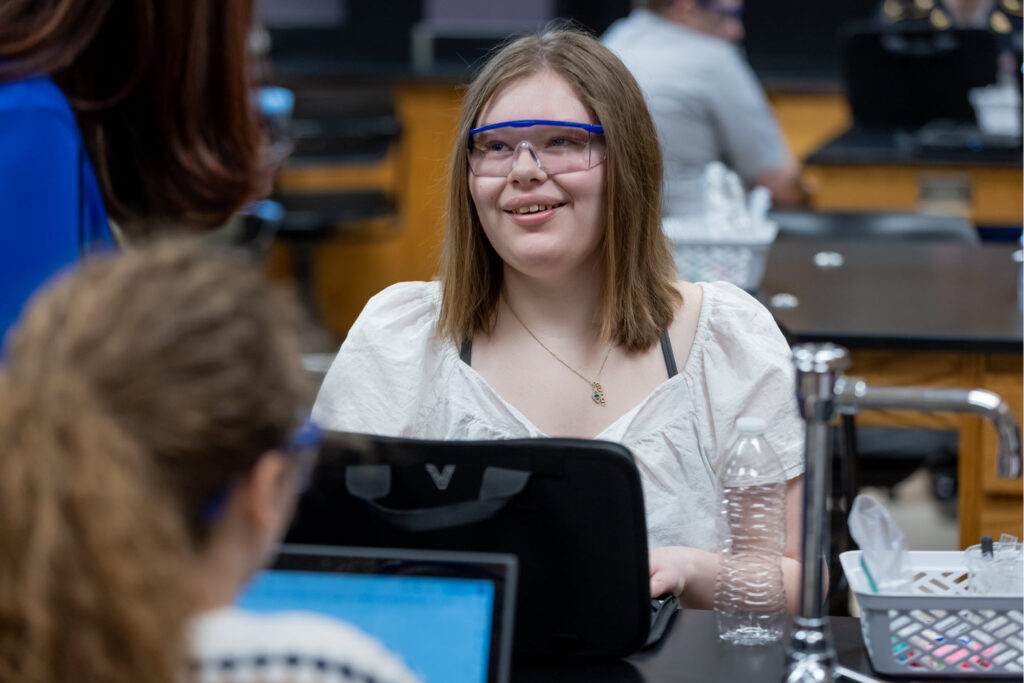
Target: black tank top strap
670, 357
466, 351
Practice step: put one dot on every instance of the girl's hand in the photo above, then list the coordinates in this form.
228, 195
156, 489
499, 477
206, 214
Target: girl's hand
687, 572
671, 567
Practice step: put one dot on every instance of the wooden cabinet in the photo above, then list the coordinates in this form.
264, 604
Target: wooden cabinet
994, 504
988, 505
349, 271
986, 196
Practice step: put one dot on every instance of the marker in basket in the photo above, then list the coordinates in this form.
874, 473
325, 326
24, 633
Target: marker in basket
986, 547
844, 672
867, 573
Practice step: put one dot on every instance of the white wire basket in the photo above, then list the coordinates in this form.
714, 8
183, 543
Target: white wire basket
936, 627
702, 256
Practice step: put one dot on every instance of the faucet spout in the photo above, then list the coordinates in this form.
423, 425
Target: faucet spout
853, 393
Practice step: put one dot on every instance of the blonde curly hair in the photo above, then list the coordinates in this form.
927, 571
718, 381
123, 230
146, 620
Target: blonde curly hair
133, 390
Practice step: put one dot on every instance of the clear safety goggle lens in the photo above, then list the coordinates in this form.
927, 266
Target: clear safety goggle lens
556, 147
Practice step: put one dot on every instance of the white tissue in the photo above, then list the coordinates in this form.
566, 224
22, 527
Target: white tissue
882, 544
727, 213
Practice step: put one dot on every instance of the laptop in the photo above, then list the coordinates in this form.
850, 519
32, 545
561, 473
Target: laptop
447, 614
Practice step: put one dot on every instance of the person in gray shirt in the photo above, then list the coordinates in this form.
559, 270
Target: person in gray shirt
706, 101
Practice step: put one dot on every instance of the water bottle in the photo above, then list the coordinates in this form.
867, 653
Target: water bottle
750, 599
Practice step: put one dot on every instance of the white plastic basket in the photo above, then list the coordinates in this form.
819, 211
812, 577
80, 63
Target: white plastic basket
937, 628
701, 257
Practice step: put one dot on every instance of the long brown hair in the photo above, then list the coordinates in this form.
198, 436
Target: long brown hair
638, 297
161, 94
134, 391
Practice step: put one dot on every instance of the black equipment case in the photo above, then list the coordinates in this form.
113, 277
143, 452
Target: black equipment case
571, 510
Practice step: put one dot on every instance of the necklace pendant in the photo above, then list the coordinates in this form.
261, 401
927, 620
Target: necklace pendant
598, 393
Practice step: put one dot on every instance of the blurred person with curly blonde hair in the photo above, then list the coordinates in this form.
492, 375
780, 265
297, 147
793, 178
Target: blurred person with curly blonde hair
151, 451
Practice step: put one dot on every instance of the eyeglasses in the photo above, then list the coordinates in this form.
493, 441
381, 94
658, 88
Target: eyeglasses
555, 146
303, 446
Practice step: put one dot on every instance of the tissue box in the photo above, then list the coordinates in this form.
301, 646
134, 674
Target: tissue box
936, 627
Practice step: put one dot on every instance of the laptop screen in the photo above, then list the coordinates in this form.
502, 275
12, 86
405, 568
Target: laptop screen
442, 612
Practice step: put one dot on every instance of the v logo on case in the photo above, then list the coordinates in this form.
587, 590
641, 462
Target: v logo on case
441, 477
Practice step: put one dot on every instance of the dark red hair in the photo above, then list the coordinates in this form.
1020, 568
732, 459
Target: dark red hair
161, 91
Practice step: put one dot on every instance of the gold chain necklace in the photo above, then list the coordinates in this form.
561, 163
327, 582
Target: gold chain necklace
597, 394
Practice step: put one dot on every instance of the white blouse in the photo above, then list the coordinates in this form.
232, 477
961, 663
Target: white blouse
395, 376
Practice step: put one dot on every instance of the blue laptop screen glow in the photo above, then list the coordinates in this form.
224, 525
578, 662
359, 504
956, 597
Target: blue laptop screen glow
440, 626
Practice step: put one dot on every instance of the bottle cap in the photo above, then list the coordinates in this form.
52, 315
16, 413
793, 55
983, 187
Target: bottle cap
750, 426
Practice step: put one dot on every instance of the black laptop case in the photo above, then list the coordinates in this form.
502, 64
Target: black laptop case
570, 510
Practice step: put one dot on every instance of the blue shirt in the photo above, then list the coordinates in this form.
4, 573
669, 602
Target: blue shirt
51, 209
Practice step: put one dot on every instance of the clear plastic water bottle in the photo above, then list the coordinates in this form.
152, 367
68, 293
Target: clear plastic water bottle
750, 598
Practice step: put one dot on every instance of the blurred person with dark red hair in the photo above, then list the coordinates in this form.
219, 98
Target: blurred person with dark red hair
137, 110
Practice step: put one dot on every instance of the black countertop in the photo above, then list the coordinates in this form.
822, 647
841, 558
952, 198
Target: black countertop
950, 297
692, 652
957, 144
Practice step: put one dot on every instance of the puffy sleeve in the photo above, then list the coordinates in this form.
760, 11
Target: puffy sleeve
747, 371
380, 380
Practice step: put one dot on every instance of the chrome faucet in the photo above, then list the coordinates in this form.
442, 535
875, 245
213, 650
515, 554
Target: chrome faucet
822, 390
852, 394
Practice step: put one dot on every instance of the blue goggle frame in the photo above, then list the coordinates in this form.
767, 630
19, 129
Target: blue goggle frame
526, 123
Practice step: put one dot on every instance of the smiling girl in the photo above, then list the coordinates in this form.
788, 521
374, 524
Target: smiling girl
559, 313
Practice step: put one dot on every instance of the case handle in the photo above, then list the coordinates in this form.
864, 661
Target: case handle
498, 486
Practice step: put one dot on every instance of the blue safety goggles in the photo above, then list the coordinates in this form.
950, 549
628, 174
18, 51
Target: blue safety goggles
555, 146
